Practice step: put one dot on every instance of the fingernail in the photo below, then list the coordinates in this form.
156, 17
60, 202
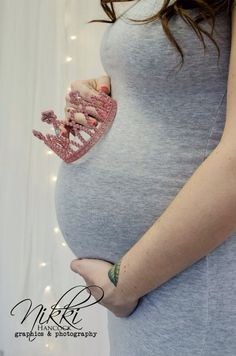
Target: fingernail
65, 134
92, 122
105, 89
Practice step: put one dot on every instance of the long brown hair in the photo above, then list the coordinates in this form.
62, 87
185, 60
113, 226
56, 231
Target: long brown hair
208, 9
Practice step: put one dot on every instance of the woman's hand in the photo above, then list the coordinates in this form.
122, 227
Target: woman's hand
87, 88
95, 272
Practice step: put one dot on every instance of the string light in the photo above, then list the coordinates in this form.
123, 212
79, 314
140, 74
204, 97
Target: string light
56, 229
43, 264
49, 346
49, 152
47, 289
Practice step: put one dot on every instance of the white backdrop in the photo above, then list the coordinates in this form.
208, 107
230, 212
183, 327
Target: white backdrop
37, 64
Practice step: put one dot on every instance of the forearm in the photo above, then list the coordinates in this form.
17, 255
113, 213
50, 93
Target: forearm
201, 217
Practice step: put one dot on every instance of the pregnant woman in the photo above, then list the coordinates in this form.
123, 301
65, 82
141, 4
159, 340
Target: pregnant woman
152, 206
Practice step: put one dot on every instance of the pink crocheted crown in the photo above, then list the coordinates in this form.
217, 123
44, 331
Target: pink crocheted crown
71, 150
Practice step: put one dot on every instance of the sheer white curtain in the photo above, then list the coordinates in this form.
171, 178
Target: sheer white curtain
38, 61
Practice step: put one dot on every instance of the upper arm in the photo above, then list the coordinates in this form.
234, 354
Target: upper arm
228, 138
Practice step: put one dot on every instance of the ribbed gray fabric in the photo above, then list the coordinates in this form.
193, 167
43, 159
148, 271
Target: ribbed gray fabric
166, 125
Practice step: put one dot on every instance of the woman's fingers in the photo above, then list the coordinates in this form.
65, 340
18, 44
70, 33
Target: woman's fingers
101, 83
69, 104
85, 87
64, 131
104, 83
80, 118
89, 122
90, 109
91, 87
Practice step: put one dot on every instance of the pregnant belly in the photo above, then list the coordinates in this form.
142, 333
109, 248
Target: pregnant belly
102, 214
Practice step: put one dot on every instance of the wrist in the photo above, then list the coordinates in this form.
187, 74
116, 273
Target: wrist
114, 272
118, 293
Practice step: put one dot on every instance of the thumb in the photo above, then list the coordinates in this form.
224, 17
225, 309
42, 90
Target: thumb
76, 266
104, 84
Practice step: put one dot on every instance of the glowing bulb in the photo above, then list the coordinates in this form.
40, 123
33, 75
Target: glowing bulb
69, 59
43, 264
56, 229
46, 345
54, 178
47, 289
49, 152
73, 37
63, 244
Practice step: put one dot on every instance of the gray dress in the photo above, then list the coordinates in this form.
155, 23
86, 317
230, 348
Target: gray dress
166, 125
